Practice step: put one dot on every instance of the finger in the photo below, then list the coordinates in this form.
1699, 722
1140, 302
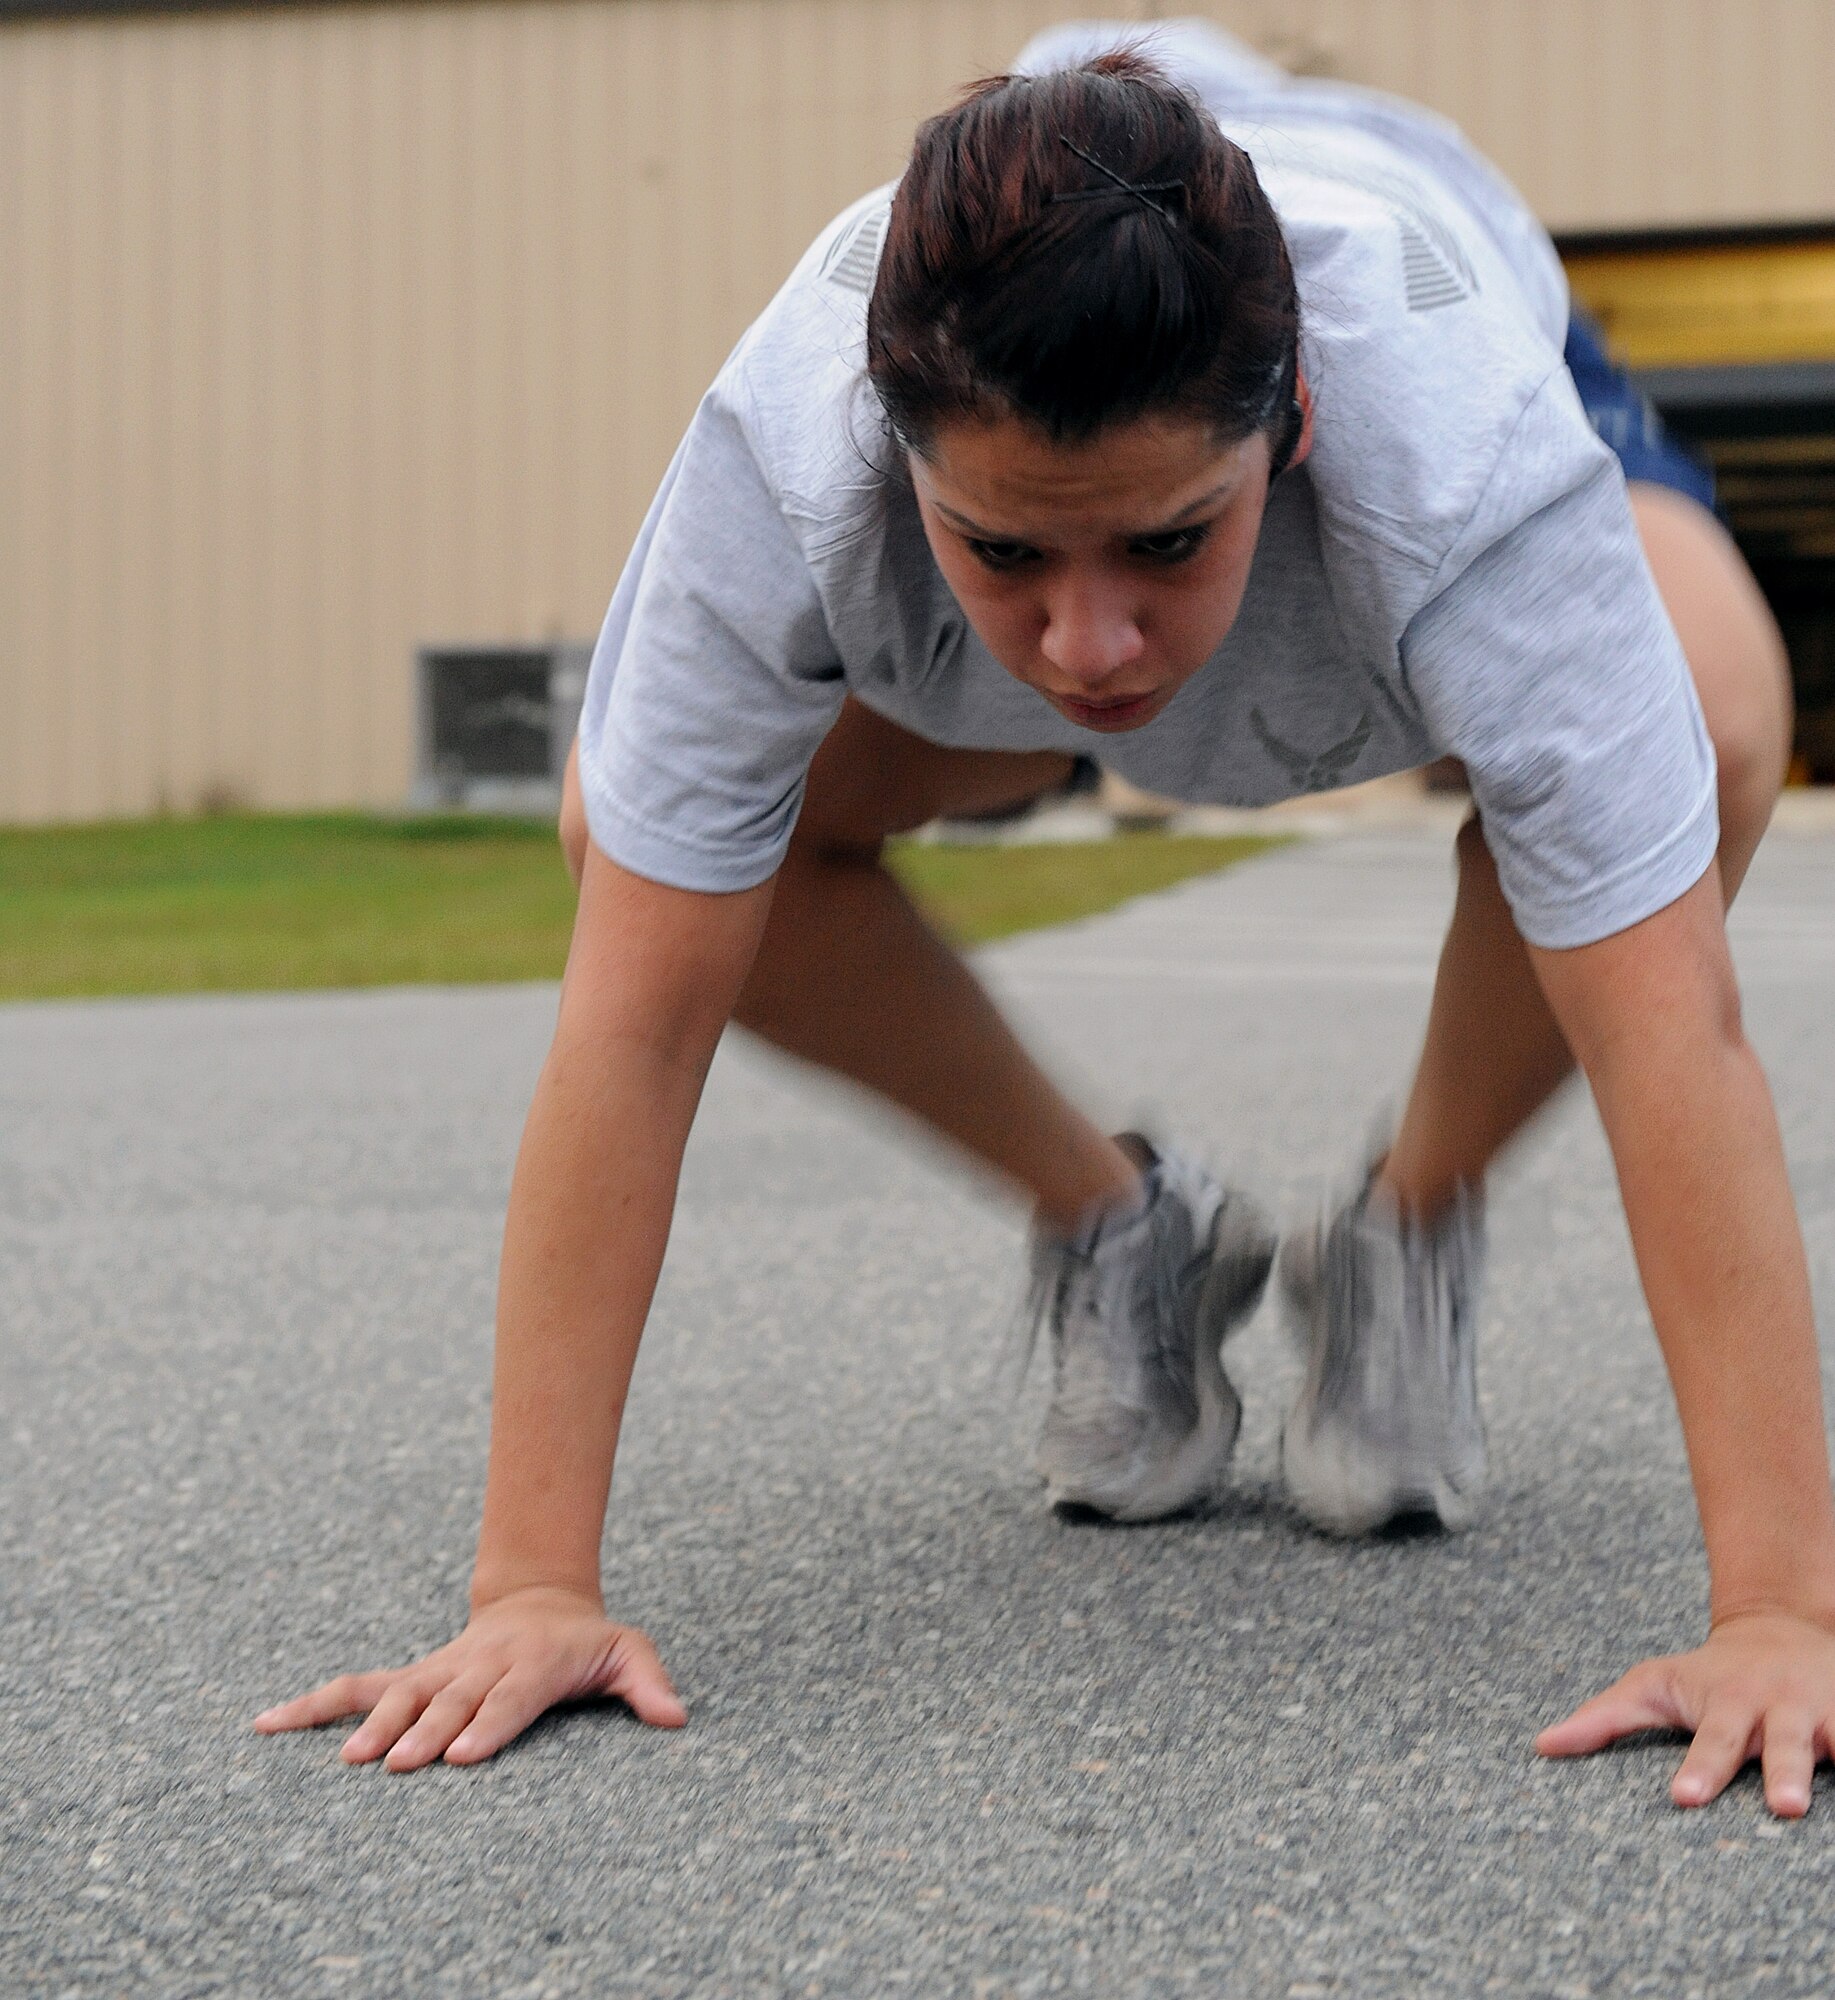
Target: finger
637, 1677
1726, 1738
349, 1694
502, 1716
1790, 1763
1644, 1699
440, 1721
394, 1713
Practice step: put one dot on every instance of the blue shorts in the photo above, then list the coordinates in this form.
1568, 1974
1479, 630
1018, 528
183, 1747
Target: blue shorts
1627, 419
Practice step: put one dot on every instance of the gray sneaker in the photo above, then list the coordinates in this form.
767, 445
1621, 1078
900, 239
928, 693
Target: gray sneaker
1142, 1417
1383, 1310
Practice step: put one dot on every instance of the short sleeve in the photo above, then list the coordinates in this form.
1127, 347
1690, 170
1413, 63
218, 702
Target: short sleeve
1551, 668
714, 678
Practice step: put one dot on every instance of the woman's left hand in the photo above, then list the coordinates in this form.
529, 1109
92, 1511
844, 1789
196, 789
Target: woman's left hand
1763, 1686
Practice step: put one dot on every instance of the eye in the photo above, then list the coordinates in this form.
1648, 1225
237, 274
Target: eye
1177, 545
1001, 555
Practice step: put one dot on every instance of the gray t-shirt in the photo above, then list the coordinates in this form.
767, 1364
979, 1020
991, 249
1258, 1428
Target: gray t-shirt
1454, 568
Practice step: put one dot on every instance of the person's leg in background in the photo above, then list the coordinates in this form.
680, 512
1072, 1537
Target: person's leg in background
850, 977
1383, 1294
1493, 1055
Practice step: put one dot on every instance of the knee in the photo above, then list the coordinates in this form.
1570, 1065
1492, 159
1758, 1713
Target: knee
816, 849
1480, 889
1474, 852
1750, 726
1734, 650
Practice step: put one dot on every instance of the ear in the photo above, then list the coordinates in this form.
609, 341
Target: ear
1304, 397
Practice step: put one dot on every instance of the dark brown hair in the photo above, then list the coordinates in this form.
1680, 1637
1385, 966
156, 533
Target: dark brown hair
1078, 249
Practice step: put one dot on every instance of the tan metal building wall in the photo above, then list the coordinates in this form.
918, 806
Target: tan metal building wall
326, 332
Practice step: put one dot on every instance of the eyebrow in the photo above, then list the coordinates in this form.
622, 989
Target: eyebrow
1180, 520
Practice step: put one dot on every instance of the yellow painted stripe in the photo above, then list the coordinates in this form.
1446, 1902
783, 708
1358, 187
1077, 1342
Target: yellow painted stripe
1721, 305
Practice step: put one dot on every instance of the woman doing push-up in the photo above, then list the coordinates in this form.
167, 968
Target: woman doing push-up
1236, 431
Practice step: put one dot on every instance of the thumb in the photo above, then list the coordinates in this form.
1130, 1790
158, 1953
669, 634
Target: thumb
637, 1677
1639, 1701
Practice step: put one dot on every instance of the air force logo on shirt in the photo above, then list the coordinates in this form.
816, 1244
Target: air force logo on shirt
1315, 770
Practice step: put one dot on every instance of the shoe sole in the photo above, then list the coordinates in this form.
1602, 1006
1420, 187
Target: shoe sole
1343, 1490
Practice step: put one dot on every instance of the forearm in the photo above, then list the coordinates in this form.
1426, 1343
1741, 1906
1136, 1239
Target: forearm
651, 980
1708, 1199
588, 1221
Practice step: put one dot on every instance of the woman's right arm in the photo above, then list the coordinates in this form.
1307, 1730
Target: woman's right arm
652, 978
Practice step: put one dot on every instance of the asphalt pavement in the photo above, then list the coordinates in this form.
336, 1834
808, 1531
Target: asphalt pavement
942, 1742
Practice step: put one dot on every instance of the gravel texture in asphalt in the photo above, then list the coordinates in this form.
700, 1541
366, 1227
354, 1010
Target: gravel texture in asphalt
941, 1741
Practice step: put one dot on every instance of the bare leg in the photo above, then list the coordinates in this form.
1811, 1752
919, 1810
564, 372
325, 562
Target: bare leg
1493, 1054
851, 978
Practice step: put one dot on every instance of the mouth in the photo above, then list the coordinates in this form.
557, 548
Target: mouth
1124, 712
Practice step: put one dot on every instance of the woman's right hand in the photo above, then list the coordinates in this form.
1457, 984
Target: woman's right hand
520, 1654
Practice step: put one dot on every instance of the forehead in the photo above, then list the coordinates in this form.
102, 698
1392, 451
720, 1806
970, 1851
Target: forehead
1005, 475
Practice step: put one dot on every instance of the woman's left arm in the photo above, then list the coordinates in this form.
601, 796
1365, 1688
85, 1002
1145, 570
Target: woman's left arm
1653, 1018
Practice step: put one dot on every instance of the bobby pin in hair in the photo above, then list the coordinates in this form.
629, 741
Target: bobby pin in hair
1142, 191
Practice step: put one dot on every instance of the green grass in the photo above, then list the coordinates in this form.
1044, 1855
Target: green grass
976, 894
258, 902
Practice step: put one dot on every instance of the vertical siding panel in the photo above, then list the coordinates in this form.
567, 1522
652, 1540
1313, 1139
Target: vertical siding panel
89, 558
121, 392
210, 524
407, 277
1535, 114
374, 698
1740, 56
499, 471
342, 541
663, 129
591, 283
629, 226
450, 324
419, 358
705, 254
705, 62
400, 315
548, 196
1680, 40
284, 526
1792, 93
484, 135
292, 669
564, 412
463, 422
243, 399
29, 271
1589, 73
1803, 70
173, 514
1617, 115
17, 683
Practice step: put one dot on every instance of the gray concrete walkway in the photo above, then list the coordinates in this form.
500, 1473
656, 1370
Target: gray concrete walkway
942, 1743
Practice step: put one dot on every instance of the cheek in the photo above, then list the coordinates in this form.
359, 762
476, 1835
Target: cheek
1210, 596
1005, 618
1191, 620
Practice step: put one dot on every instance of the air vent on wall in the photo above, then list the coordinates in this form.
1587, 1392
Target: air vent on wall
494, 724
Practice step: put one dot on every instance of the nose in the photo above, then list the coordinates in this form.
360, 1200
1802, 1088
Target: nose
1092, 632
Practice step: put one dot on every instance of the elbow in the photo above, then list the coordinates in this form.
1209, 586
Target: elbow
1727, 1014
